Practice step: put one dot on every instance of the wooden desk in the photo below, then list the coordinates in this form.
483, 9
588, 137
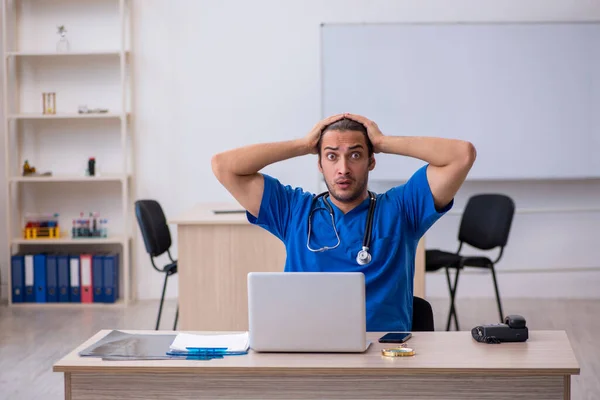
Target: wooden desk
448, 365
215, 254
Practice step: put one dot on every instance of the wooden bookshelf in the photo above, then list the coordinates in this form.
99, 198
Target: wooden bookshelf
95, 71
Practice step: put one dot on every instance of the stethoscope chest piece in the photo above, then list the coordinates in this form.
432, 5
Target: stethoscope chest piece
363, 257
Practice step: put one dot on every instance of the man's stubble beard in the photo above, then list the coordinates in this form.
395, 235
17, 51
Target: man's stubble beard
351, 196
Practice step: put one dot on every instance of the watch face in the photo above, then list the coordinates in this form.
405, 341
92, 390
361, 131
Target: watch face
398, 352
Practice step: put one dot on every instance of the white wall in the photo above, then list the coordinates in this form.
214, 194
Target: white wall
233, 72
210, 75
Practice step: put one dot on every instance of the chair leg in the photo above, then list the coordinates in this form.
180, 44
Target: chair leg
176, 318
454, 301
452, 312
497, 294
162, 299
451, 301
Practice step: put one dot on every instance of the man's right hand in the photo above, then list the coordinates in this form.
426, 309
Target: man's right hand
237, 169
312, 139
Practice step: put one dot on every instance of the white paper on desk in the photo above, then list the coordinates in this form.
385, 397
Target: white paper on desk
233, 342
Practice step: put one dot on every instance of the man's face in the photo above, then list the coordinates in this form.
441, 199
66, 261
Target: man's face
345, 165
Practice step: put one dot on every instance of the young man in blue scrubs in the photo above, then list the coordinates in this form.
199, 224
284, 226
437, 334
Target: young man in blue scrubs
345, 145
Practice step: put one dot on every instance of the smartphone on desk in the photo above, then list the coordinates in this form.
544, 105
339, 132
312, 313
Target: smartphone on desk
395, 337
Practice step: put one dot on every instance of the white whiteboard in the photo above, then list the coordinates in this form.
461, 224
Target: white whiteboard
526, 95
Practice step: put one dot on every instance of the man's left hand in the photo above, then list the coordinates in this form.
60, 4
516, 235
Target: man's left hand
375, 135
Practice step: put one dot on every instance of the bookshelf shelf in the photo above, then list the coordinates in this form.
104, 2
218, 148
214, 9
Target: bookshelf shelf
69, 178
32, 116
93, 70
118, 303
66, 54
69, 240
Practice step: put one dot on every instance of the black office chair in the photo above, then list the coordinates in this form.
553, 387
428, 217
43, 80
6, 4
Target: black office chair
157, 239
422, 320
485, 225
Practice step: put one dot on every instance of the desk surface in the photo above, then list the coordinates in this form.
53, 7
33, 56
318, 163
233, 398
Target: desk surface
204, 214
546, 353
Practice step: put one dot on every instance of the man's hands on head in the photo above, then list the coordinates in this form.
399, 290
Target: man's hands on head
450, 160
312, 139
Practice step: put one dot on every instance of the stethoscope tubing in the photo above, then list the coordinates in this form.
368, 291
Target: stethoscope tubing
368, 228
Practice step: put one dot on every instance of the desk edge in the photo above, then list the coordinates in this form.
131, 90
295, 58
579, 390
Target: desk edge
201, 370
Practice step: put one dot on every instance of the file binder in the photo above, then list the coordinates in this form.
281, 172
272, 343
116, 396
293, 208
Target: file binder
39, 277
51, 279
18, 278
63, 279
97, 275
86, 278
29, 279
75, 296
111, 278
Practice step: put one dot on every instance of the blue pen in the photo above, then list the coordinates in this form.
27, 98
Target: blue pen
207, 350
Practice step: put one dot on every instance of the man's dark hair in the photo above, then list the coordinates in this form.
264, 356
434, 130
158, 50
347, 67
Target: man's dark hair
347, 124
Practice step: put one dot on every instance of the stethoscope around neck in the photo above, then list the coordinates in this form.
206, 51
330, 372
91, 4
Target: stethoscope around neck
363, 257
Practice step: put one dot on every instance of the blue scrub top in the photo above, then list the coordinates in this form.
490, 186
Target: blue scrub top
402, 215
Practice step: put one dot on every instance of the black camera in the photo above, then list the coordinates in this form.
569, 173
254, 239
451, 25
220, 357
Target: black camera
512, 330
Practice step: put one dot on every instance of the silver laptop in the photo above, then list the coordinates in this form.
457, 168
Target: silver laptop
307, 312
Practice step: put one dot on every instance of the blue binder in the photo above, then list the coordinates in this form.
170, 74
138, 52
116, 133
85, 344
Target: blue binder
111, 278
63, 279
39, 277
97, 275
18, 278
75, 281
29, 279
51, 278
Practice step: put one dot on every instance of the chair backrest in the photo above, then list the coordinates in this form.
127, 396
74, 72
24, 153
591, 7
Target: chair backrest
486, 221
422, 320
153, 226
